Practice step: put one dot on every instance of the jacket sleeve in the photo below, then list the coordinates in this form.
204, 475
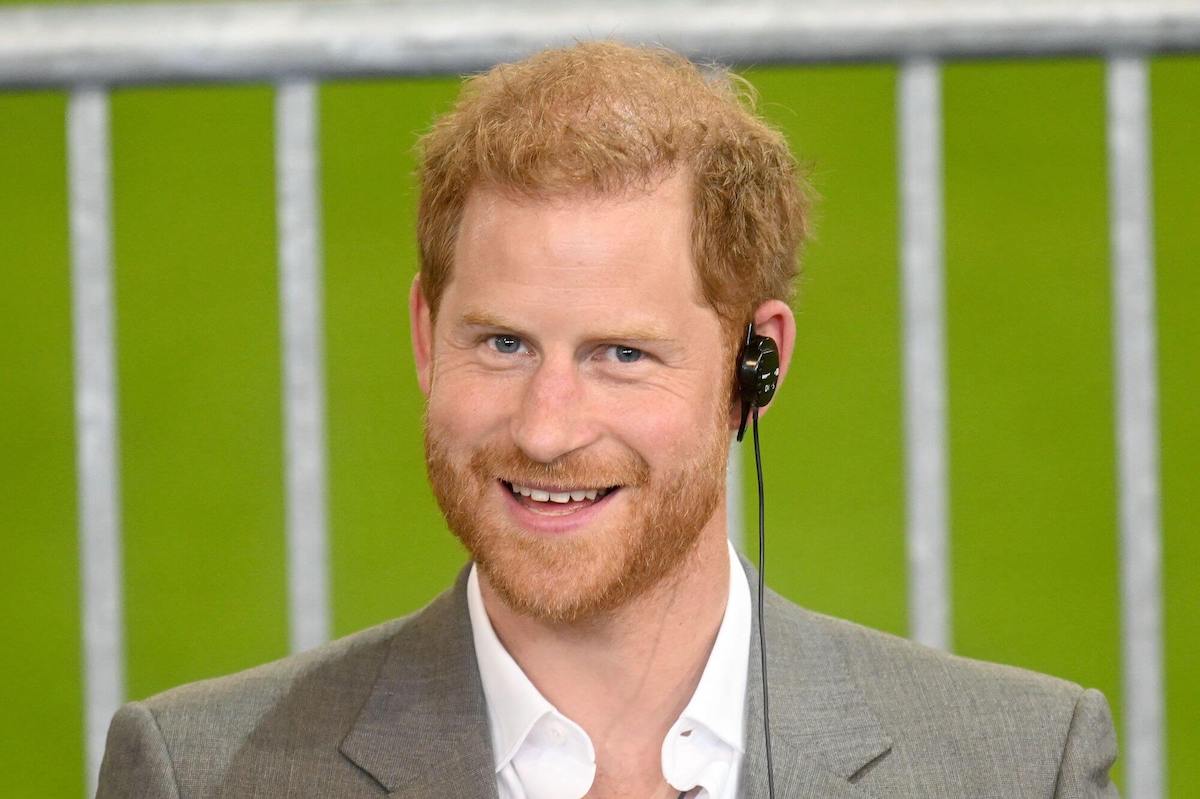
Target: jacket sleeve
136, 762
1089, 751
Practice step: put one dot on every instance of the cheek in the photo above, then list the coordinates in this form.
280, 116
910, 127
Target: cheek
666, 430
466, 409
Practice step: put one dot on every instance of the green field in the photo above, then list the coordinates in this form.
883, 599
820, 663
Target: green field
1032, 453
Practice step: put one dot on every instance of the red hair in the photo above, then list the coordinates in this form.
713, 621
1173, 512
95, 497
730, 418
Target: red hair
610, 118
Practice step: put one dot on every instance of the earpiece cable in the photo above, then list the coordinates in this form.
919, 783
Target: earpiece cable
762, 634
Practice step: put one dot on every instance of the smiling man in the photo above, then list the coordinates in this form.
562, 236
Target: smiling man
578, 398
598, 227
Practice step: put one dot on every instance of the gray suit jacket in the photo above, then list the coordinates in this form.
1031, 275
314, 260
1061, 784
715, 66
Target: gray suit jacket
399, 709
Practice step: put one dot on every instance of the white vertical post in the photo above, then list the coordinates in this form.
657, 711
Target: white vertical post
300, 294
1135, 352
99, 509
920, 110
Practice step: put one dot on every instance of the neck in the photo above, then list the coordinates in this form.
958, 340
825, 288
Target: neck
626, 677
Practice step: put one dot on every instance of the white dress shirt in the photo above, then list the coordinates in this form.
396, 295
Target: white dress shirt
542, 754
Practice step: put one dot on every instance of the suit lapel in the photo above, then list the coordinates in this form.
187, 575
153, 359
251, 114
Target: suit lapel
823, 732
423, 730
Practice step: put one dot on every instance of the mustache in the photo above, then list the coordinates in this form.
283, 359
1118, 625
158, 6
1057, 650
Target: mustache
585, 470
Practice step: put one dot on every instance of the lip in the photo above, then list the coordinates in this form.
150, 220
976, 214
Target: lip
552, 525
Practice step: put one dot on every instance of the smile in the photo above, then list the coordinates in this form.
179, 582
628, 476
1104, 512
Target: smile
562, 496
556, 500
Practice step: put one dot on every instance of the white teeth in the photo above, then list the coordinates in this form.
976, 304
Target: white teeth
577, 495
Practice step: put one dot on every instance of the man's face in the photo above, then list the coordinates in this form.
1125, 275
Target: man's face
578, 397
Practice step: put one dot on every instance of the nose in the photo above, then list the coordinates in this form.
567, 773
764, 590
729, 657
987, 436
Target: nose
553, 419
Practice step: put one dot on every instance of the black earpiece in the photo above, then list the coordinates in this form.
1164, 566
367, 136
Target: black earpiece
757, 373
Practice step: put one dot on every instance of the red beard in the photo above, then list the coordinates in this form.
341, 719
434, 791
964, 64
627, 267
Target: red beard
571, 578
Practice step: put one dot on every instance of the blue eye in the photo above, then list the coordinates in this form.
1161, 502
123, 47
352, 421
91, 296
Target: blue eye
627, 354
506, 344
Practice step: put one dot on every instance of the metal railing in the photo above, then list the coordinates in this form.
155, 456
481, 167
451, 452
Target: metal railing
90, 49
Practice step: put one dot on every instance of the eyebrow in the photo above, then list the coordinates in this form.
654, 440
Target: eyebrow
649, 333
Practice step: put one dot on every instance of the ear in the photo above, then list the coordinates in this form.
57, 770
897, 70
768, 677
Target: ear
773, 319
420, 324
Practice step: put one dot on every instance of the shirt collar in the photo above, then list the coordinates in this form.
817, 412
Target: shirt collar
704, 745
724, 675
514, 704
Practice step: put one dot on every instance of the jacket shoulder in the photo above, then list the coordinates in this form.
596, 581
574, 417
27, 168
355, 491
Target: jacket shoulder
246, 692
228, 735
880, 657
977, 724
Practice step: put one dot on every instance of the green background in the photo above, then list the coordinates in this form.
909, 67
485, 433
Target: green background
1032, 454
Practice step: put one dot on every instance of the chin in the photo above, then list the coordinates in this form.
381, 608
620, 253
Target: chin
573, 579
562, 580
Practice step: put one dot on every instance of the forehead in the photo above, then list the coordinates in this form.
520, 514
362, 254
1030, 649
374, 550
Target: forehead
626, 256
